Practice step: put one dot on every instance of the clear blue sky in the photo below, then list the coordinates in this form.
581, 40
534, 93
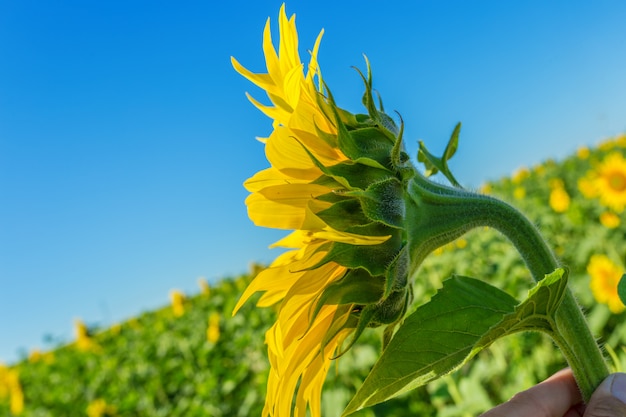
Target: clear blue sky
125, 134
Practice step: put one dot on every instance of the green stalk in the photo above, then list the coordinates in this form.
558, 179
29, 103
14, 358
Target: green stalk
438, 214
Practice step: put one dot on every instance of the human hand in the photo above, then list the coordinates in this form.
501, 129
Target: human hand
558, 396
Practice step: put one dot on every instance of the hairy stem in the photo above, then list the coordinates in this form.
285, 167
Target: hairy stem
438, 214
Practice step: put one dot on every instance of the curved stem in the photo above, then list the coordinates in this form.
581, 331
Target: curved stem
438, 214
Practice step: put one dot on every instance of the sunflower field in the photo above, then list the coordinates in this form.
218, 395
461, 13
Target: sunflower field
193, 358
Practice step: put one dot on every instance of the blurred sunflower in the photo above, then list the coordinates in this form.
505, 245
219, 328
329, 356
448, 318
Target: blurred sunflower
11, 388
213, 329
605, 275
178, 303
610, 181
559, 199
610, 220
336, 179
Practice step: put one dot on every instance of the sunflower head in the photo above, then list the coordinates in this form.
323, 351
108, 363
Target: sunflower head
610, 181
338, 181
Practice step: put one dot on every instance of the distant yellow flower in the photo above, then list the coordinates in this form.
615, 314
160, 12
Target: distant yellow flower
520, 175
100, 408
323, 187
213, 330
204, 286
178, 303
539, 169
587, 187
583, 152
610, 220
606, 145
605, 276
519, 193
38, 356
10, 387
611, 181
559, 199
34, 356
116, 329
486, 188
84, 341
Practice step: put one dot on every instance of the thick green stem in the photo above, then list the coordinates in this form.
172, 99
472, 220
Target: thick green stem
438, 214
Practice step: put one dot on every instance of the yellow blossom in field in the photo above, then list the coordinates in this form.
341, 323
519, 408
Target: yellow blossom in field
100, 408
34, 356
11, 388
213, 330
605, 276
607, 145
539, 169
519, 193
610, 220
610, 181
178, 303
583, 152
84, 341
205, 289
520, 175
485, 188
559, 199
37, 355
116, 328
587, 187
461, 243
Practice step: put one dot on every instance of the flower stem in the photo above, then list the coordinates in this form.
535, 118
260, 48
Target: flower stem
438, 214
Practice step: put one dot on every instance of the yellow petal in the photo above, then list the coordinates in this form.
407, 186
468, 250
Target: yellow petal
282, 206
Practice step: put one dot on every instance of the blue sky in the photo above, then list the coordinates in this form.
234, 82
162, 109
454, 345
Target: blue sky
125, 135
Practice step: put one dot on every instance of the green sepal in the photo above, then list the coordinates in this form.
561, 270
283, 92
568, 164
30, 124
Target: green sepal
365, 317
329, 108
464, 317
338, 325
396, 277
333, 197
344, 214
349, 174
436, 164
383, 202
373, 258
378, 117
621, 289
356, 287
384, 312
367, 145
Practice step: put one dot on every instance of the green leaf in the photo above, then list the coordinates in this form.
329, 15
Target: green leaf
465, 316
436, 164
621, 289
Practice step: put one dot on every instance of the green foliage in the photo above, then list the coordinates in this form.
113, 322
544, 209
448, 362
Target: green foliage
464, 317
160, 365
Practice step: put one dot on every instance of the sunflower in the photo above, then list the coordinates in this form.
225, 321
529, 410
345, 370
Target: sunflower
336, 180
559, 199
610, 220
605, 276
610, 181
